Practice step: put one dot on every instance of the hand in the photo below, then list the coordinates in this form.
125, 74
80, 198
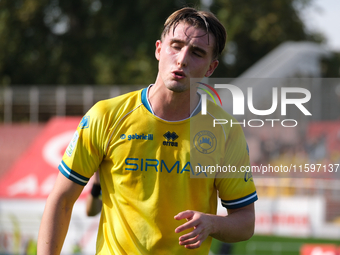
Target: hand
202, 224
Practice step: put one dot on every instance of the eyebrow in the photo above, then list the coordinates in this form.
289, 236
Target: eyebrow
193, 47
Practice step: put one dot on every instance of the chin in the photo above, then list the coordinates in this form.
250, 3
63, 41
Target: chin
177, 87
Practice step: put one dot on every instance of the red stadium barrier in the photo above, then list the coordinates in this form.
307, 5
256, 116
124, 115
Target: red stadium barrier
34, 173
319, 249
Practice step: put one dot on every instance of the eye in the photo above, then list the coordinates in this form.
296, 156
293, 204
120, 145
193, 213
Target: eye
197, 54
176, 46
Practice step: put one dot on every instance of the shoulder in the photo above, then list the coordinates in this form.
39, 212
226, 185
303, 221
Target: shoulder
117, 105
217, 112
106, 113
222, 118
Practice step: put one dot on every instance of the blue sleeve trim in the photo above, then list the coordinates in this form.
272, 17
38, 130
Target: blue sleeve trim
241, 202
72, 175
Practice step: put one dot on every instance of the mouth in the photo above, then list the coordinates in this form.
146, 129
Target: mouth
178, 74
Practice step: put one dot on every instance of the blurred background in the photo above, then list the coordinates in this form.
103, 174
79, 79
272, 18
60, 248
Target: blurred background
57, 58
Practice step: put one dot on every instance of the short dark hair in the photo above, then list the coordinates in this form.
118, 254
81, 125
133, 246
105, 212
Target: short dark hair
199, 19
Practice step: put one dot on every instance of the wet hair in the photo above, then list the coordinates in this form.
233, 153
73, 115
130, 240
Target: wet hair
199, 19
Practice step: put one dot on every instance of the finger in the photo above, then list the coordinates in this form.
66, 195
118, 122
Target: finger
190, 235
184, 215
194, 246
187, 225
191, 240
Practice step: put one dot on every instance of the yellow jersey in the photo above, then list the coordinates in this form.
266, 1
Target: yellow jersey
152, 169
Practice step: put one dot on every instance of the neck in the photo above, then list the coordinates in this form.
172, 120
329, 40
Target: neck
170, 105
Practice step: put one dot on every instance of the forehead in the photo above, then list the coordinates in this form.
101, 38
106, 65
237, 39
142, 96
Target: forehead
191, 35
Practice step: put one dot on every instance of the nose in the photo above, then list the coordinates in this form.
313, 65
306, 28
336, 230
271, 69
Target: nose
182, 59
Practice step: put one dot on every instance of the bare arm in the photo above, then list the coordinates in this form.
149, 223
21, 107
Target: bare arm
93, 204
57, 214
237, 226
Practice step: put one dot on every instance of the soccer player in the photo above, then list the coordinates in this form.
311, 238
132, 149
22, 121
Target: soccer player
154, 199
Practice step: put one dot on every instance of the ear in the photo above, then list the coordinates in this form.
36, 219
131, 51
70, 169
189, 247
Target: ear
158, 49
212, 68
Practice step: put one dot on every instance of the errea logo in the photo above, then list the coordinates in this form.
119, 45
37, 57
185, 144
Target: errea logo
170, 139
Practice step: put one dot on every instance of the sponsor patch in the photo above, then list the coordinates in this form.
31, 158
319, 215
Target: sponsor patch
72, 144
205, 142
137, 137
84, 123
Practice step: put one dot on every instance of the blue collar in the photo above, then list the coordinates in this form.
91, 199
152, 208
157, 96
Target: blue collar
147, 105
145, 100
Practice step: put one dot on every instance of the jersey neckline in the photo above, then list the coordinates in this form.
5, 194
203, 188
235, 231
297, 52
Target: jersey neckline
146, 103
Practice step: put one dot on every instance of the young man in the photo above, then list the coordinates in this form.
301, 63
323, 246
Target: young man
141, 144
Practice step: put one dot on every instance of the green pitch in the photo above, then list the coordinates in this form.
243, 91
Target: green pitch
270, 245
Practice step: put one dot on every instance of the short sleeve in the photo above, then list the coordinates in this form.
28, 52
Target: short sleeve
87, 147
236, 186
